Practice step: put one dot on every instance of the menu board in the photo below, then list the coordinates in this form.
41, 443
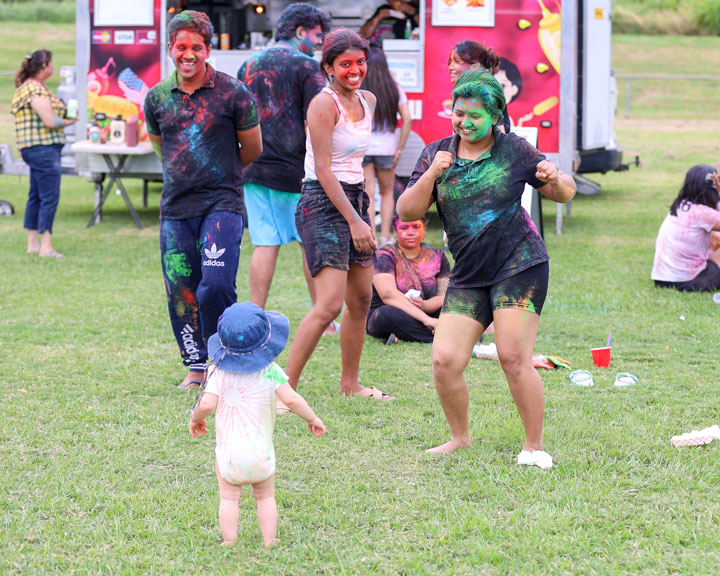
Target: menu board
125, 13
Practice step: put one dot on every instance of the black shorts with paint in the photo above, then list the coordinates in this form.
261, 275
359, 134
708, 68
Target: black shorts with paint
325, 234
523, 291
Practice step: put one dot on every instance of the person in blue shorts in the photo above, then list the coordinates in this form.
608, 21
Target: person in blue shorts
477, 177
203, 125
283, 79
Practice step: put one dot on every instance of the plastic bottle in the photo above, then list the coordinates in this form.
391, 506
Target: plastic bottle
72, 108
94, 134
131, 131
117, 131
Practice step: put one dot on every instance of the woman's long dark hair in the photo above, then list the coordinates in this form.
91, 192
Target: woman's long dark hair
472, 52
380, 82
696, 189
32, 64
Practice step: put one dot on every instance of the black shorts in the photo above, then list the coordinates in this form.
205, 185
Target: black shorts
706, 281
325, 234
523, 291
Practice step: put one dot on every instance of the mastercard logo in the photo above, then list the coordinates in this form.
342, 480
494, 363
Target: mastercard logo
101, 37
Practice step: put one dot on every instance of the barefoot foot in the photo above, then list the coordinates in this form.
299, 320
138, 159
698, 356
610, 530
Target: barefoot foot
451, 446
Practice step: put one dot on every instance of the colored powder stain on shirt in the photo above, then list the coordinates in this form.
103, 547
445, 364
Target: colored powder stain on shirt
176, 265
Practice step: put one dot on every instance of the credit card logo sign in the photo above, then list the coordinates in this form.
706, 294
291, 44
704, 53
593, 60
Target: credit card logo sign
146, 36
124, 37
101, 37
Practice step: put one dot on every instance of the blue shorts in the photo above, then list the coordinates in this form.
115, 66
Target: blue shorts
271, 215
381, 162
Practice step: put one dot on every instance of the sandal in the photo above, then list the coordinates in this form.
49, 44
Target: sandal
582, 378
373, 393
51, 254
335, 329
623, 379
191, 384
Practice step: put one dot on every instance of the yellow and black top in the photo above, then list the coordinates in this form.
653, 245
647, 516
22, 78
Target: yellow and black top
29, 127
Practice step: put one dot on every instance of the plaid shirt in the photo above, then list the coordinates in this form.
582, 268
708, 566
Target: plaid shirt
29, 128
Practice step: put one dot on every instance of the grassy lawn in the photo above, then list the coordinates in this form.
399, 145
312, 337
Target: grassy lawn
99, 474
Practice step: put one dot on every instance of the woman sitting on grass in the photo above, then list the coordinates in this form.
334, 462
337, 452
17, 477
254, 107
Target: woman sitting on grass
408, 286
684, 258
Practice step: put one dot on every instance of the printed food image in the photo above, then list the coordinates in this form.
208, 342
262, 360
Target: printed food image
114, 106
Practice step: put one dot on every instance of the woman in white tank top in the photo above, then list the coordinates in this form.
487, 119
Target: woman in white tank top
332, 217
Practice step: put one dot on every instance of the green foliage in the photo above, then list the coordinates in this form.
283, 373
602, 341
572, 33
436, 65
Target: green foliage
38, 11
666, 17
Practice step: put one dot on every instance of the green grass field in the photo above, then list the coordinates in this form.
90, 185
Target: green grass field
99, 474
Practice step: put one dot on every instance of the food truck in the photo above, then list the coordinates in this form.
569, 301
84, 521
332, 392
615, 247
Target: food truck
555, 56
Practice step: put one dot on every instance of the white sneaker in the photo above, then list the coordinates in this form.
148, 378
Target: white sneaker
537, 458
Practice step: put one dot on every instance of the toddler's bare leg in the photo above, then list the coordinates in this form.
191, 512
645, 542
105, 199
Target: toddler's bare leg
264, 494
228, 510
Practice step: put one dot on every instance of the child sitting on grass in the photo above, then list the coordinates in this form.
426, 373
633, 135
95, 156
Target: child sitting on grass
242, 388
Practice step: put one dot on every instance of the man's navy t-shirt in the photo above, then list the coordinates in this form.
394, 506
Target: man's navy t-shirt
283, 81
202, 166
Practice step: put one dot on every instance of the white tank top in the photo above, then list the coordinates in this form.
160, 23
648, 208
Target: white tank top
350, 141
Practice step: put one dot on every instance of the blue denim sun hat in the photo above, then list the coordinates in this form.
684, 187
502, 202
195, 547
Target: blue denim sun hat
248, 338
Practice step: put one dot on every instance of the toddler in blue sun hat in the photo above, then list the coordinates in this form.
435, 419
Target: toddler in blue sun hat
241, 391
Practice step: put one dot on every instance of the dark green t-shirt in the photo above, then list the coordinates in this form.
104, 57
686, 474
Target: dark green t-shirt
490, 235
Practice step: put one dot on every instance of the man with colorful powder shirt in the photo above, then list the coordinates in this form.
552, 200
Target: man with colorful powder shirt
192, 117
284, 79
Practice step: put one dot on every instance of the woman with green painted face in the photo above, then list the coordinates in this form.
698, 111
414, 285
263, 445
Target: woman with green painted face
477, 177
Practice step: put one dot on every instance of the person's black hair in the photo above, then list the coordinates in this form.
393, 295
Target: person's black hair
337, 42
301, 15
396, 220
512, 73
472, 52
697, 189
380, 82
32, 64
194, 21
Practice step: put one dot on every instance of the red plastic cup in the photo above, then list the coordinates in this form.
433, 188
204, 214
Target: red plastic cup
601, 357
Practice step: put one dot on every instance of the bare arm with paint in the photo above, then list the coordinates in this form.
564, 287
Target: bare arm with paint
413, 204
155, 140
386, 287
43, 108
560, 187
321, 119
433, 304
251, 144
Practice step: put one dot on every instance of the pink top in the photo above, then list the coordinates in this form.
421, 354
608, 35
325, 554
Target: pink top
681, 248
350, 140
386, 143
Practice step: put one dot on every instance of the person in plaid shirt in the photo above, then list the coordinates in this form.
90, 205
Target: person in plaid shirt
39, 124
